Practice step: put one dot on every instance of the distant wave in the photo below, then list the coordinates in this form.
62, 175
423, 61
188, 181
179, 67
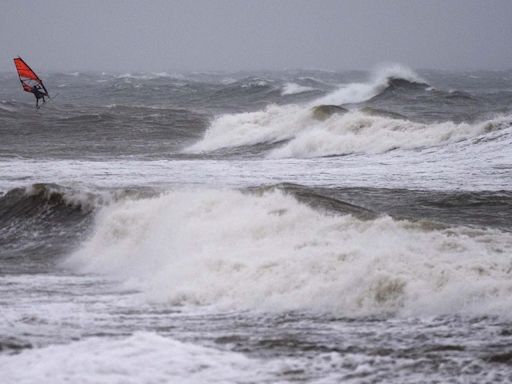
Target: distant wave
276, 123
294, 88
303, 135
254, 82
323, 128
49, 196
89, 118
7, 106
246, 87
150, 76
358, 132
380, 80
12, 108
267, 251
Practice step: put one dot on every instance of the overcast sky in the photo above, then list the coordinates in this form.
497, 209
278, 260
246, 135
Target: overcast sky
191, 35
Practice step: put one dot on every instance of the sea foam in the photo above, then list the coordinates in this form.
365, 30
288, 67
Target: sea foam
357, 132
294, 88
268, 252
104, 360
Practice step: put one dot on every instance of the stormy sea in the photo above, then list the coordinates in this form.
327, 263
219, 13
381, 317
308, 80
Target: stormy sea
298, 226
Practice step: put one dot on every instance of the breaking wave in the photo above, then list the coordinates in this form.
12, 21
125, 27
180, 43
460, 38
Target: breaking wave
29, 201
380, 80
358, 132
39, 222
323, 128
267, 251
277, 123
294, 88
42, 221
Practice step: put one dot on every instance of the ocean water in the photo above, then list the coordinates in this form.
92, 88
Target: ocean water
297, 226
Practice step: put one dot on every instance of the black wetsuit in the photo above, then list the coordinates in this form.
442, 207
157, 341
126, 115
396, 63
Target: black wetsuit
36, 90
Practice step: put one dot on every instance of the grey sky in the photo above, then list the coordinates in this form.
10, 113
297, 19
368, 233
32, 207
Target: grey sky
116, 35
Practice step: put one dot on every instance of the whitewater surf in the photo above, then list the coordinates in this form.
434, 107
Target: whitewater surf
292, 226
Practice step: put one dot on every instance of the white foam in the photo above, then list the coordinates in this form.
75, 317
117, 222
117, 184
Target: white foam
255, 82
357, 132
104, 360
274, 123
228, 80
352, 132
294, 88
148, 358
239, 251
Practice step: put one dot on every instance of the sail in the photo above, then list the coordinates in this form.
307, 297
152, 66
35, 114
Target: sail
28, 77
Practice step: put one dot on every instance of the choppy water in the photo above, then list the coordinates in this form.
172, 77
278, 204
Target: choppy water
299, 226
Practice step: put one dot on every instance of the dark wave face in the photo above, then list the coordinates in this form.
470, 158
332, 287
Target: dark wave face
474, 209
98, 132
40, 223
423, 102
37, 224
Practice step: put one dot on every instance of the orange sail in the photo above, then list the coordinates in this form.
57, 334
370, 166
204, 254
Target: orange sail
28, 77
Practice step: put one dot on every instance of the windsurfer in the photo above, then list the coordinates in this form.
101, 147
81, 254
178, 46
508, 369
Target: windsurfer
36, 90
30, 82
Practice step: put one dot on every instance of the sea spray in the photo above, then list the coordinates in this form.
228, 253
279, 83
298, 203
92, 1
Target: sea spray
294, 88
233, 250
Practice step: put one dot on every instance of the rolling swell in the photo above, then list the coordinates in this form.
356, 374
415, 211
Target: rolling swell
481, 209
425, 103
97, 131
320, 199
211, 92
40, 222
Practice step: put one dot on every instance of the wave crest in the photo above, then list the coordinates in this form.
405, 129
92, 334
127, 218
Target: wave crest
334, 134
294, 89
304, 134
381, 79
358, 132
269, 252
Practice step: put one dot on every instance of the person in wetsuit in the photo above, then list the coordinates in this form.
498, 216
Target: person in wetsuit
39, 94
